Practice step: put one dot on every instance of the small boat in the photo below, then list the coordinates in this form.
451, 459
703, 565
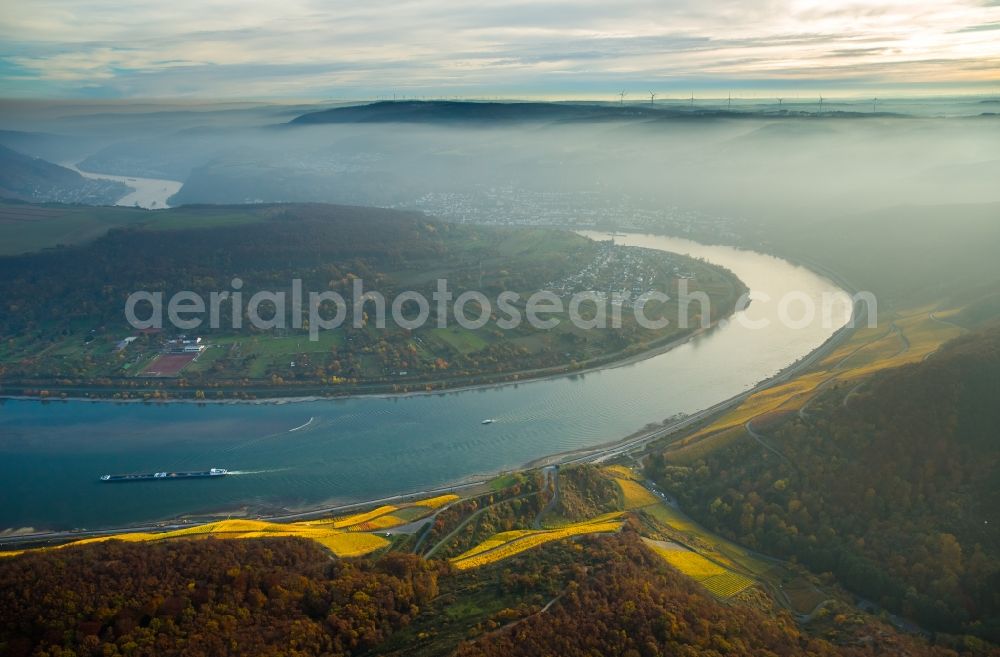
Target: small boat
488, 420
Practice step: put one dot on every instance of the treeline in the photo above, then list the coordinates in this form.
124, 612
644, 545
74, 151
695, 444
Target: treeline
325, 246
266, 597
895, 493
206, 597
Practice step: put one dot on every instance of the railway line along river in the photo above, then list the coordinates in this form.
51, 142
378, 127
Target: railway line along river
298, 455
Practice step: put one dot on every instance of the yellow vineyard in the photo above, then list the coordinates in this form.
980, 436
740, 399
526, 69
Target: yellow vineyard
387, 521
437, 502
634, 494
713, 573
355, 519
507, 544
726, 585
910, 337
345, 536
720, 581
341, 543
620, 472
496, 541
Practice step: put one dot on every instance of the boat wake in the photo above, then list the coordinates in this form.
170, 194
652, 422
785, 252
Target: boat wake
254, 441
302, 426
253, 472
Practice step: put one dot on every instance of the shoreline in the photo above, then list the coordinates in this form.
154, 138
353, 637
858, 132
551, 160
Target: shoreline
596, 453
299, 399
500, 380
141, 195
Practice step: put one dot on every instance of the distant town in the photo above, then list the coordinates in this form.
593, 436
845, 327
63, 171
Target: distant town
509, 205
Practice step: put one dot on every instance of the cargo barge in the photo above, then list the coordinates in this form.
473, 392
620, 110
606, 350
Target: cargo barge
165, 476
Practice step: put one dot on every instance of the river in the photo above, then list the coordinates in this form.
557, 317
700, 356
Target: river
298, 455
149, 193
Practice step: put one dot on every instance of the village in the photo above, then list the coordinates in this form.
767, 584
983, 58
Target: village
622, 272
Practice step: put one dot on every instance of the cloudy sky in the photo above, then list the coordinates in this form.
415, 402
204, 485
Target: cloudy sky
555, 48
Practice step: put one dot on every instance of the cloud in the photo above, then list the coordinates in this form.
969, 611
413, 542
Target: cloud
330, 48
981, 28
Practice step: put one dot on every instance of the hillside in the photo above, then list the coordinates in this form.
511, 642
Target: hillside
67, 326
576, 560
632, 604
442, 111
50, 146
206, 598
891, 485
27, 178
608, 596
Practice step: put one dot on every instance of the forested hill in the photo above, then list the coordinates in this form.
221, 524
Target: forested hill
441, 111
27, 178
267, 597
892, 486
210, 598
326, 246
447, 111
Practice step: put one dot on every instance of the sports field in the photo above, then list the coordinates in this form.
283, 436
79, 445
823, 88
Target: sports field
168, 365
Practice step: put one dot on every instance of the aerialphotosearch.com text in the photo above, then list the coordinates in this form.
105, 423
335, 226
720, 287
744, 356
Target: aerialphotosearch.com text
543, 310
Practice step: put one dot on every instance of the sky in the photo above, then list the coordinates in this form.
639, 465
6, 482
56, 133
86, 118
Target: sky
248, 49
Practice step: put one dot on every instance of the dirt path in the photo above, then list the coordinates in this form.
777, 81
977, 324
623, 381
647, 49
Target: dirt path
437, 546
763, 441
814, 393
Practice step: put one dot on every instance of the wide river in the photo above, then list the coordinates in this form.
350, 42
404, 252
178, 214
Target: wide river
51, 455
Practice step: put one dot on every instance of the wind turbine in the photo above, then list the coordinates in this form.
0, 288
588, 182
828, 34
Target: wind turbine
652, 97
821, 103
779, 102
730, 105
874, 103
621, 97
692, 99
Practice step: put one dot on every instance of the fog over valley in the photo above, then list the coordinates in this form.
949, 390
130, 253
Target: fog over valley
762, 164
561, 327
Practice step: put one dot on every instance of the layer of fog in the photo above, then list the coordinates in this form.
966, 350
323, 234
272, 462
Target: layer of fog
745, 179
763, 168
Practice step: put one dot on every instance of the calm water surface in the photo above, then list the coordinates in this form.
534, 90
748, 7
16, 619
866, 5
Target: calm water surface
354, 449
149, 193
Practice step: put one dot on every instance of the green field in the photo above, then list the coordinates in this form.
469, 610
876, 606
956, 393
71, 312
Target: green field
460, 339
